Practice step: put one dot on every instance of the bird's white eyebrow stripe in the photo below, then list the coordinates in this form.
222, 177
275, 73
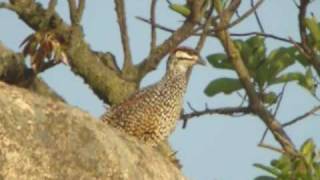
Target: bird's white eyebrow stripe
184, 55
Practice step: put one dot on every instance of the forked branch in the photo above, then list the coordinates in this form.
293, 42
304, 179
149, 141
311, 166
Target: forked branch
76, 11
121, 16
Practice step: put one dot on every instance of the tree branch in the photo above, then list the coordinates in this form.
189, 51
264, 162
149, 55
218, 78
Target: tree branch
223, 111
76, 11
257, 17
51, 8
121, 16
81, 7
309, 53
14, 71
156, 25
299, 118
231, 111
255, 102
182, 33
6, 6
153, 25
205, 29
264, 35
237, 21
99, 72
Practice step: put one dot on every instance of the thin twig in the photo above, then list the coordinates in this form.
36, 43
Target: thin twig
231, 111
159, 26
205, 30
280, 99
299, 118
240, 19
191, 107
223, 111
121, 15
257, 17
271, 148
168, 1
299, 48
186, 30
170, 30
264, 35
275, 112
153, 25
265, 132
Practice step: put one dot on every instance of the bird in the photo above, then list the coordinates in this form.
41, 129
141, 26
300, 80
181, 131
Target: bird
151, 113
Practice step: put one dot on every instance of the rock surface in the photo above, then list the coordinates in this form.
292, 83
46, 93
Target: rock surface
42, 138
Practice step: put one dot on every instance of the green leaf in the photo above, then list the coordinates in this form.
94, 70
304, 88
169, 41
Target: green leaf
308, 81
268, 169
219, 60
284, 164
307, 150
252, 52
270, 98
181, 9
225, 85
313, 27
280, 59
265, 178
292, 76
277, 61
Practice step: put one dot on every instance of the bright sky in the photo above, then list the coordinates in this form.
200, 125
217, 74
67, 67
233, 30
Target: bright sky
212, 147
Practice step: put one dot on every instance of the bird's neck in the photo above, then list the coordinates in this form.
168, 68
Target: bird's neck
176, 78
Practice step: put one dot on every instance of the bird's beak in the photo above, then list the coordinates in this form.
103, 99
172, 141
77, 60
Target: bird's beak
201, 61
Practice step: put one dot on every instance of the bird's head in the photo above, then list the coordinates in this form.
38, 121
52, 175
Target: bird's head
183, 58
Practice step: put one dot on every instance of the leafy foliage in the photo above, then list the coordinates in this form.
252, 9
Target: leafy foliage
265, 69
314, 27
42, 45
304, 167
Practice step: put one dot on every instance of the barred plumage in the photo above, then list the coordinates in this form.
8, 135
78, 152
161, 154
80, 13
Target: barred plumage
151, 113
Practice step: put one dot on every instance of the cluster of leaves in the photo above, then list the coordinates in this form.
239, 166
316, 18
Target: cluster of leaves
265, 69
41, 46
184, 9
304, 167
314, 36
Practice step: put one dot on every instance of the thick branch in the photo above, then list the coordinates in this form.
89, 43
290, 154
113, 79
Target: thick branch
121, 15
102, 76
256, 104
14, 71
